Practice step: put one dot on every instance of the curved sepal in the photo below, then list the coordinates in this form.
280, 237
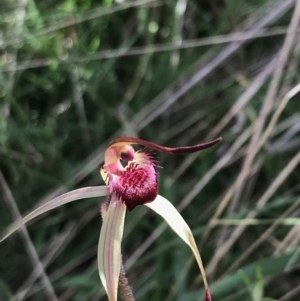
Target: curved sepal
74, 195
109, 247
170, 214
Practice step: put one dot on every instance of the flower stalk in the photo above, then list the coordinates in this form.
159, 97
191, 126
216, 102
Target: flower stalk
125, 289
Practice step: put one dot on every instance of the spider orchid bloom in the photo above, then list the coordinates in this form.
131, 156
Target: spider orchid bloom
129, 186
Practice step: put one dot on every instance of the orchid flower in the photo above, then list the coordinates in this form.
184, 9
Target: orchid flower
129, 186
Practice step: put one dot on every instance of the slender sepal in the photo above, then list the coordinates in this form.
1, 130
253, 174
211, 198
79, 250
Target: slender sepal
74, 195
170, 214
123, 141
109, 247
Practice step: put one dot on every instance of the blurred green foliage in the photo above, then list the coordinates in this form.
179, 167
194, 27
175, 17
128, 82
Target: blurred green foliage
70, 80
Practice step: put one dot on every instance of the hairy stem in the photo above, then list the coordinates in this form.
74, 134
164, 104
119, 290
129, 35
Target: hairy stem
125, 289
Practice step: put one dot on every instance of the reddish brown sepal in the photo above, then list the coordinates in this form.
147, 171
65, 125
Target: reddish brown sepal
170, 150
207, 296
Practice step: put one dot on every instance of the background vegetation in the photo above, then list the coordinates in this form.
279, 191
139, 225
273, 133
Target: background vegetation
75, 74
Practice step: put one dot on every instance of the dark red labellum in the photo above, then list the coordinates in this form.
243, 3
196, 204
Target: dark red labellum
136, 185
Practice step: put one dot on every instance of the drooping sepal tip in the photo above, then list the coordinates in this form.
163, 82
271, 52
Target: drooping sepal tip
170, 214
207, 295
68, 197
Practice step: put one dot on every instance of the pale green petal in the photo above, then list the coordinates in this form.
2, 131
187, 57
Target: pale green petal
74, 195
109, 247
165, 209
